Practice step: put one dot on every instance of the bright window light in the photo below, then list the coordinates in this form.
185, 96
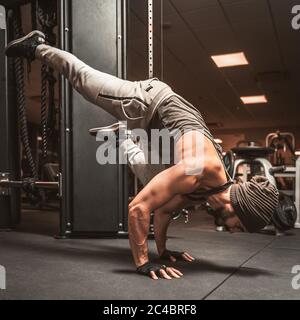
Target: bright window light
297, 153
254, 99
230, 60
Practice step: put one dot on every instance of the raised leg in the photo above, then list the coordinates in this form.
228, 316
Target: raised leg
121, 98
125, 100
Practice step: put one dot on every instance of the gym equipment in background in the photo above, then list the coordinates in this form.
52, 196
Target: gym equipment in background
24, 176
288, 181
251, 159
93, 198
248, 159
9, 159
46, 16
282, 142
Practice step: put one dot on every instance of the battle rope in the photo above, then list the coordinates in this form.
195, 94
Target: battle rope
47, 17
44, 110
21, 102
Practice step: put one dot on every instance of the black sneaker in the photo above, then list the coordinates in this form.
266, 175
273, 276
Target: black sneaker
25, 47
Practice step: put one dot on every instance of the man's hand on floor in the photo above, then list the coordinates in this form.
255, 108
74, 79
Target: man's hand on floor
155, 270
174, 256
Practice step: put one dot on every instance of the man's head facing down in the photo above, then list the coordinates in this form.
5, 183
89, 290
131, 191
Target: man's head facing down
254, 202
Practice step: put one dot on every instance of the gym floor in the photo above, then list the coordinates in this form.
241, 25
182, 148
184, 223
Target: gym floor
228, 266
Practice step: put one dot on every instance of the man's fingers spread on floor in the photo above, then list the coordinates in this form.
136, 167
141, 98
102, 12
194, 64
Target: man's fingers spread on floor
172, 273
177, 272
189, 256
164, 274
153, 275
186, 258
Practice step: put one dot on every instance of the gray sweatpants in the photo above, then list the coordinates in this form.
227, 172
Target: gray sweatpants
125, 100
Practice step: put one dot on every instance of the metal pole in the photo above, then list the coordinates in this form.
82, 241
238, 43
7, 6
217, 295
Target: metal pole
150, 37
5, 183
162, 40
297, 193
122, 73
5, 204
65, 128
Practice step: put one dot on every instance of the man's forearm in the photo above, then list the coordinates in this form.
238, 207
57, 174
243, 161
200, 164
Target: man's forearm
138, 228
161, 224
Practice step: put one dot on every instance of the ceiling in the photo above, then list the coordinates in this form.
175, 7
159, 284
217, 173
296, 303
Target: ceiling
193, 30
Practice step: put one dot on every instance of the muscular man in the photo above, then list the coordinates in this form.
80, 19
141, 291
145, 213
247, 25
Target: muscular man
241, 207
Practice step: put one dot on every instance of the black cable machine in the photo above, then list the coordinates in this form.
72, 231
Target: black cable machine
93, 198
9, 159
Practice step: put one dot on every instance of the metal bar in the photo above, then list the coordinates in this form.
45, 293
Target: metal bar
276, 135
122, 73
125, 181
266, 165
150, 37
297, 192
162, 40
268, 138
285, 175
4, 121
65, 152
121, 47
290, 193
46, 184
20, 184
290, 169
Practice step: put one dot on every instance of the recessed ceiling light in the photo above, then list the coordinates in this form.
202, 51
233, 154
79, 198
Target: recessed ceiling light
254, 99
230, 60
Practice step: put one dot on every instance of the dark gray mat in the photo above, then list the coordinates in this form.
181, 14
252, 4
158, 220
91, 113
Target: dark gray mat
289, 241
228, 266
261, 287
275, 260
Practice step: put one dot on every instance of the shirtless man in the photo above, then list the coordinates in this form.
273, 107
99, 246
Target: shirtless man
241, 207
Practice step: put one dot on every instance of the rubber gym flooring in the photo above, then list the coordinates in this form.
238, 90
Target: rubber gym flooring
228, 266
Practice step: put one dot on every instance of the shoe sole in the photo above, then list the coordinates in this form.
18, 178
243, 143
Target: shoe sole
29, 35
112, 128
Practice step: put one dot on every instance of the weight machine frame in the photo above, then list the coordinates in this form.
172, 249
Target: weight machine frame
10, 183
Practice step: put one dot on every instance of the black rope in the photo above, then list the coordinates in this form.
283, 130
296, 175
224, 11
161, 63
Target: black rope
21, 102
51, 121
44, 110
47, 18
